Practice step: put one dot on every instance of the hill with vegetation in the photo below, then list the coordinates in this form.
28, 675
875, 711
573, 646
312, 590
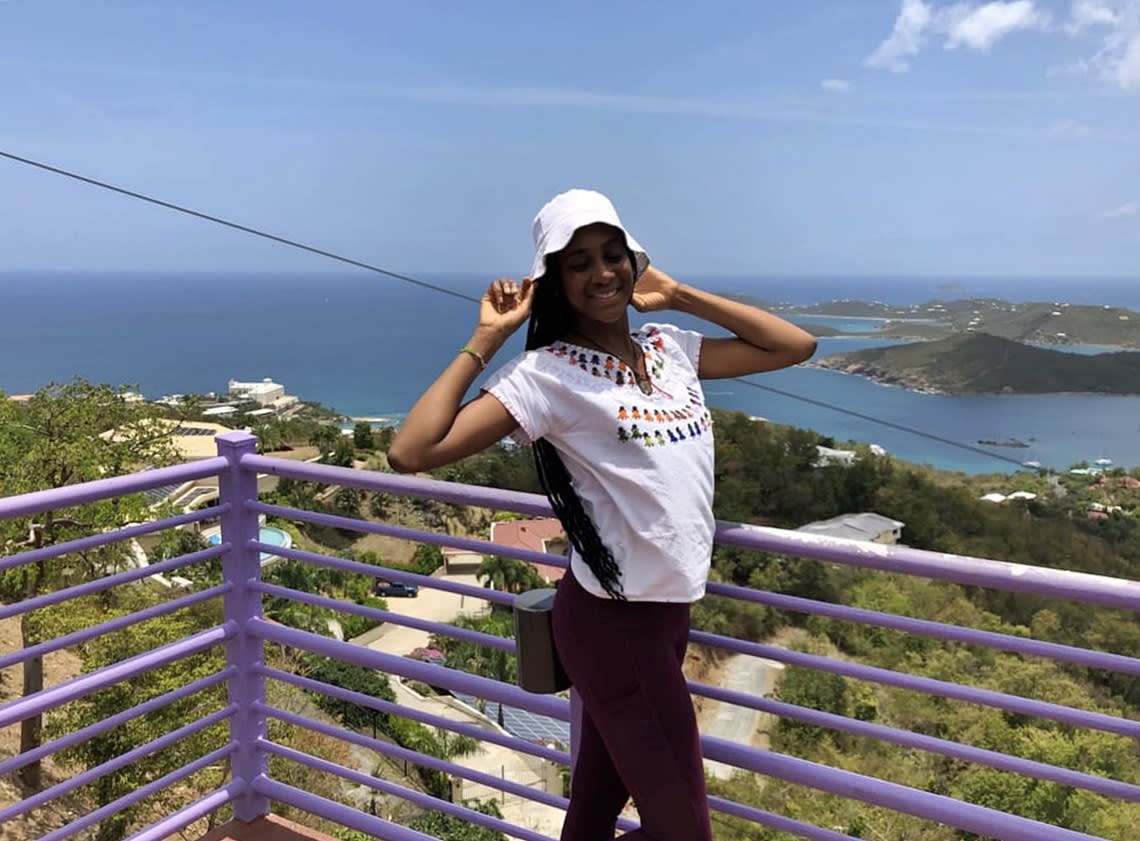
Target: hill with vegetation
981, 363
1038, 322
766, 474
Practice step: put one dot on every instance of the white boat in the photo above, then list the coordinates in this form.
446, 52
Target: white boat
1033, 464
1104, 462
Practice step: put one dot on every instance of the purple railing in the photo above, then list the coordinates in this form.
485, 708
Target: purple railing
243, 633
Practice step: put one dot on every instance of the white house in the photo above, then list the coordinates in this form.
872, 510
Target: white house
264, 392
868, 526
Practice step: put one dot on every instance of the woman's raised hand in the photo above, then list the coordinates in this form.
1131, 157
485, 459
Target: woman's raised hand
654, 291
506, 305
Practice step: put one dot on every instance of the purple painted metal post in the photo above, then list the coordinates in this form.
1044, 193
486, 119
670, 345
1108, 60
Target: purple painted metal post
241, 567
575, 730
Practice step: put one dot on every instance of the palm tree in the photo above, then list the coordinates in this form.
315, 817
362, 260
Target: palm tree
508, 574
494, 572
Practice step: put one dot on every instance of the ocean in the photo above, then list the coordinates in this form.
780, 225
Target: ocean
367, 345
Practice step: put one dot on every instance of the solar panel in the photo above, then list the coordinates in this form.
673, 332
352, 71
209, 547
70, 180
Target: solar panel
157, 495
188, 431
523, 723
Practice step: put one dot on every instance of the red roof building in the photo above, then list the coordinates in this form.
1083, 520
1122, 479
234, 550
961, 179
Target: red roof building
534, 536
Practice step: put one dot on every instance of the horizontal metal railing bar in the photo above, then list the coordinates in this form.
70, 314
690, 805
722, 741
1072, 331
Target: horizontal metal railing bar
473, 730
111, 765
983, 821
982, 572
470, 544
86, 544
175, 822
428, 673
441, 628
452, 492
117, 624
930, 686
85, 733
69, 495
930, 744
426, 581
416, 758
143, 792
98, 585
727, 806
417, 798
330, 810
936, 630
777, 822
963, 569
54, 696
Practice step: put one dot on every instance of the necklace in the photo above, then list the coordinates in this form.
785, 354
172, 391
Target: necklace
642, 380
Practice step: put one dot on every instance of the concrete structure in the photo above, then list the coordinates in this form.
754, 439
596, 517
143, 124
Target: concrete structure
864, 526
264, 392
830, 455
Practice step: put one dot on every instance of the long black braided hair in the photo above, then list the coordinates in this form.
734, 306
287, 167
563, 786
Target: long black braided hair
551, 319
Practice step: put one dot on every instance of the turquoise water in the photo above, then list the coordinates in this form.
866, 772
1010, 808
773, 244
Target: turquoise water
266, 534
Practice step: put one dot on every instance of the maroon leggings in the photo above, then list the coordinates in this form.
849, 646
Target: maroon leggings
639, 732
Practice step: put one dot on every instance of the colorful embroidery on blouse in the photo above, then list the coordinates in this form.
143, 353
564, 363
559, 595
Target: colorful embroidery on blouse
599, 364
676, 424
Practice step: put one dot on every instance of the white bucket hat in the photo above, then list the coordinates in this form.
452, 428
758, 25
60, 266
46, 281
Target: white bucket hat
555, 224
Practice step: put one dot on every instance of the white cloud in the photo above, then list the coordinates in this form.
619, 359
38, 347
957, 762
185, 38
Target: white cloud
1069, 128
1129, 208
1128, 66
1117, 24
981, 27
978, 27
1089, 13
906, 39
836, 86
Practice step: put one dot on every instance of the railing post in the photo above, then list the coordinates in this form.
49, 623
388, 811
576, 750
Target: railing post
575, 730
241, 567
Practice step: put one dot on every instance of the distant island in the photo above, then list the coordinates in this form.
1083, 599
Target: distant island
1033, 323
979, 363
1037, 323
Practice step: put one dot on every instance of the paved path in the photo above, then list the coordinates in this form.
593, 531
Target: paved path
441, 606
742, 673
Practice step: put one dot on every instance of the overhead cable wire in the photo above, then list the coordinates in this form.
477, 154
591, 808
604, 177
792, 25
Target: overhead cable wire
455, 294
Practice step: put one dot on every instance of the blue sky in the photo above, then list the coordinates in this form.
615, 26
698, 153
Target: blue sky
825, 137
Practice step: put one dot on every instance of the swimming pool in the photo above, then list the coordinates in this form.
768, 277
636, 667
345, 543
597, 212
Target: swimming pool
266, 534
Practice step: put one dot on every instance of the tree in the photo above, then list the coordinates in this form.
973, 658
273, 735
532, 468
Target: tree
356, 679
63, 435
109, 649
507, 574
177, 542
380, 505
449, 828
325, 437
346, 501
427, 558
362, 435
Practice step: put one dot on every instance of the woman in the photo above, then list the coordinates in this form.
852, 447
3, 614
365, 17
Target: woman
623, 446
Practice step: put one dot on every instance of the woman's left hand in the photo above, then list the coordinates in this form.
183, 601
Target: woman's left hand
654, 291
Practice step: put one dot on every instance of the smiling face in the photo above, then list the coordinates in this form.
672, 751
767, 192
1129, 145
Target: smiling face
597, 274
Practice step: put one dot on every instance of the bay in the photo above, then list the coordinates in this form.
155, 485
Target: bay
368, 345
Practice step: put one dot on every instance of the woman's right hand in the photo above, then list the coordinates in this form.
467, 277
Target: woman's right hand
506, 305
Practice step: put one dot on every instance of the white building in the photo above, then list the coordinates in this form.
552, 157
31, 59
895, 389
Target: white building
868, 526
264, 393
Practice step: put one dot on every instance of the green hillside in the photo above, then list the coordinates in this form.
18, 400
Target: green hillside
981, 363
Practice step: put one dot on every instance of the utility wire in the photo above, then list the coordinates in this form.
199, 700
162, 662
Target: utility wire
453, 293
243, 228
